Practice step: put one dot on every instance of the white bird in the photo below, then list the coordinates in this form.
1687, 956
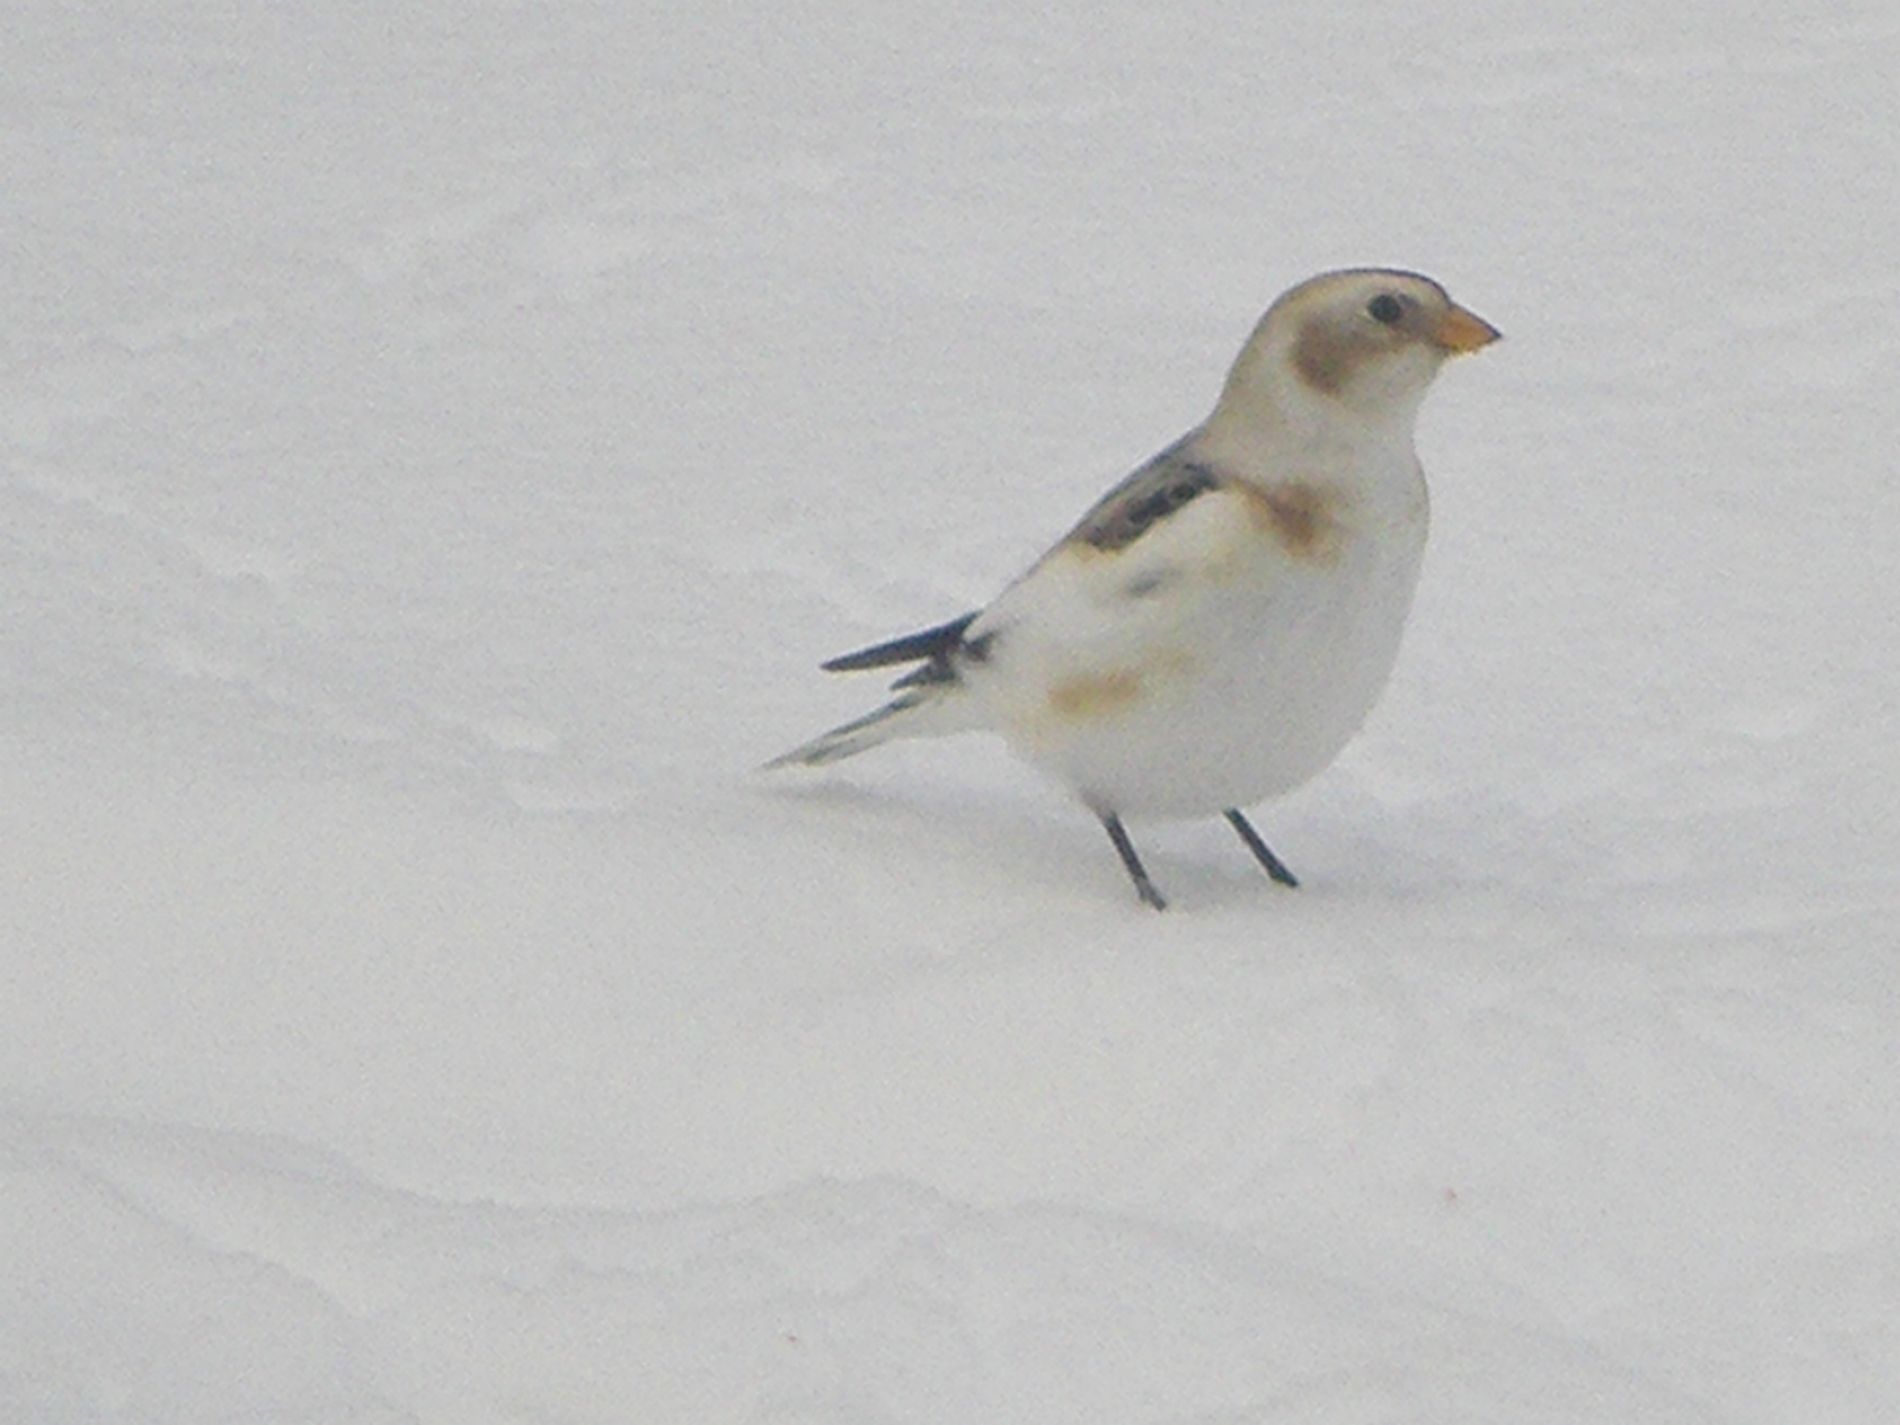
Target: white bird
1218, 625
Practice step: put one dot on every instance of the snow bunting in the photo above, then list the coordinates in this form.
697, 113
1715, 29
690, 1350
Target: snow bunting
1219, 624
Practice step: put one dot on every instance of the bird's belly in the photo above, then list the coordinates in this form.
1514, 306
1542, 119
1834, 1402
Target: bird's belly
1255, 693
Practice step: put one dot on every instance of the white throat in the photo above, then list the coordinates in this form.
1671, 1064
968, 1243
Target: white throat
1268, 418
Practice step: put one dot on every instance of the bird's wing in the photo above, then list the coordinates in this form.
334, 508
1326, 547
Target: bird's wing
1131, 573
1149, 495
1128, 573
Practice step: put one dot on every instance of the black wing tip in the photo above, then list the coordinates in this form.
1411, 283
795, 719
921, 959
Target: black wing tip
912, 647
852, 662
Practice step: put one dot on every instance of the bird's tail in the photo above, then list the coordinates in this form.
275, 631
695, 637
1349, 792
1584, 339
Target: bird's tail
934, 710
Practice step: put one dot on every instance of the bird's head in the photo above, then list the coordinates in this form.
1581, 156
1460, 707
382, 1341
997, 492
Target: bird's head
1368, 340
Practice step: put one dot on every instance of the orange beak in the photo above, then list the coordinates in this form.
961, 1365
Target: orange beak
1459, 331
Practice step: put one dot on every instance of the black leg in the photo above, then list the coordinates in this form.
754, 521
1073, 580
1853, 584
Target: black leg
1125, 848
1276, 868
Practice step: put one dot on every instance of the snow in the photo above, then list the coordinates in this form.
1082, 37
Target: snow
436, 444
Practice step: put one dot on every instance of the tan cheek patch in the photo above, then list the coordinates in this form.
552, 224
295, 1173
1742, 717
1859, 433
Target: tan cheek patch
1325, 357
1301, 518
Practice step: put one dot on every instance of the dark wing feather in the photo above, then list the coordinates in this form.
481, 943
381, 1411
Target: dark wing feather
936, 644
1155, 491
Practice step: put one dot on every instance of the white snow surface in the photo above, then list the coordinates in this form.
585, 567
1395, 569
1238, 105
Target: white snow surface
438, 441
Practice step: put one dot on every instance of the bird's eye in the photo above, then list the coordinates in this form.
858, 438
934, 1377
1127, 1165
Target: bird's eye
1385, 309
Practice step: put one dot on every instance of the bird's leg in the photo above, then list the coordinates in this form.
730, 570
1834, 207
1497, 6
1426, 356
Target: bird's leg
1125, 848
1263, 853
